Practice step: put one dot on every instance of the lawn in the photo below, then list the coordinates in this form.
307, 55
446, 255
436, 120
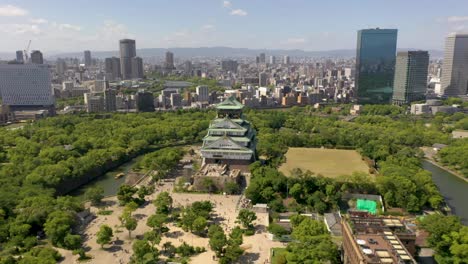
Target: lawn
327, 162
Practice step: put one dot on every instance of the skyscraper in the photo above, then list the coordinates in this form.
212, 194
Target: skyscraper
272, 60
286, 60
36, 57
455, 68
263, 79
229, 65
127, 52
110, 100
61, 66
375, 65
112, 68
19, 56
137, 68
262, 58
26, 86
87, 58
410, 83
169, 62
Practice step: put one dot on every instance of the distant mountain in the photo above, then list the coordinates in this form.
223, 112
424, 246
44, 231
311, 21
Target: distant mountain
218, 52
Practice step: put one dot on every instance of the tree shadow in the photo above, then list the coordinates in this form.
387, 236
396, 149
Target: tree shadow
175, 234
103, 204
260, 229
113, 248
139, 216
249, 258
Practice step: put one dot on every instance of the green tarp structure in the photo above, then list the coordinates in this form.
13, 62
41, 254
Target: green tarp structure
367, 205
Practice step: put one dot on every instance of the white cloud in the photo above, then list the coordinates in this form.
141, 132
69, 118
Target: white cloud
68, 27
38, 21
227, 4
457, 19
12, 11
238, 12
296, 40
208, 27
16, 29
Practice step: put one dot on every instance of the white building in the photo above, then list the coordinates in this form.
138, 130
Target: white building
26, 85
203, 93
419, 109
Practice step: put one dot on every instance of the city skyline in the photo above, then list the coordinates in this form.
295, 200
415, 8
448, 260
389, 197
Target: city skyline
98, 26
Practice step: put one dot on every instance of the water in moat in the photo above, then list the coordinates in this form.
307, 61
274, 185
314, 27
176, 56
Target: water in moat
454, 190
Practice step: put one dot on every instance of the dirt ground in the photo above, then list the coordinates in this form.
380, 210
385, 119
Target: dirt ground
119, 251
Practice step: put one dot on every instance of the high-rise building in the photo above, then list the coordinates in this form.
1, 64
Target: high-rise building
375, 65
263, 79
112, 68
455, 68
110, 100
188, 68
286, 60
169, 62
144, 101
410, 83
61, 66
127, 52
87, 58
36, 57
203, 93
94, 103
68, 86
229, 65
26, 86
262, 58
272, 60
19, 56
100, 86
137, 68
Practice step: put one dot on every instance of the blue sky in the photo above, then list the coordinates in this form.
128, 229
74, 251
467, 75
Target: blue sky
64, 25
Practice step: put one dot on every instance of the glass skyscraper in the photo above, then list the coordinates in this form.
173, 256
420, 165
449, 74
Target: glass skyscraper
375, 65
410, 83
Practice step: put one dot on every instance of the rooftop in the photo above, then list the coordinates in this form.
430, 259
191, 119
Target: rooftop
230, 103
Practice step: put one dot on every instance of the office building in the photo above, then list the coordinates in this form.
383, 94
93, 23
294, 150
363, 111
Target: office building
176, 100
455, 67
112, 68
262, 58
272, 60
286, 60
127, 52
110, 100
87, 58
263, 79
61, 66
169, 62
410, 83
26, 87
203, 93
188, 98
375, 65
144, 101
67, 86
188, 68
137, 68
36, 57
229, 65
94, 103
100, 86
19, 56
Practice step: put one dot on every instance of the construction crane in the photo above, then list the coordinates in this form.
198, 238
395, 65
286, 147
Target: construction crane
26, 52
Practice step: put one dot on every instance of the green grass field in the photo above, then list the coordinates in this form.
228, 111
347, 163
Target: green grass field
327, 162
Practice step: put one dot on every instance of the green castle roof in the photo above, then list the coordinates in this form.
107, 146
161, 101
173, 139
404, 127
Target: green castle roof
230, 103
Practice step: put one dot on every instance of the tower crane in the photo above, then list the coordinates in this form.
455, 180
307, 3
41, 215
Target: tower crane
26, 52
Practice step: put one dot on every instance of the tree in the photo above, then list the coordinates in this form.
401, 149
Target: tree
156, 222
58, 226
199, 225
246, 218
217, 240
277, 230
94, 194
163, 203
169, 249
125, 194
72, 241
143, 253
104, 235
130, 224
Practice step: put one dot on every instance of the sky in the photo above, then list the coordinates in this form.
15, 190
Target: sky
66, 26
